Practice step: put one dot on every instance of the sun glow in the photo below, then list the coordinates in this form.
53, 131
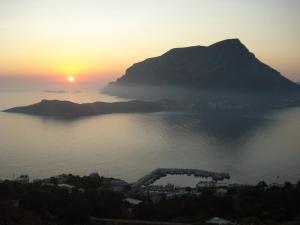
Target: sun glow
71, 79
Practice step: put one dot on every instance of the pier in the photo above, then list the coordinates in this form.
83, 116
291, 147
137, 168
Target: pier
162, 172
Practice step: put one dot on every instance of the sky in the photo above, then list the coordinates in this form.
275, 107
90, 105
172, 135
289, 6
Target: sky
96, 40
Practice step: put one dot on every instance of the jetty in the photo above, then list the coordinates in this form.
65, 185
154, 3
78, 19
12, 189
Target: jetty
162, 172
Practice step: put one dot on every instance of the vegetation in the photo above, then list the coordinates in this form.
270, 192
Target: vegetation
274, 204
47, 202
51, 202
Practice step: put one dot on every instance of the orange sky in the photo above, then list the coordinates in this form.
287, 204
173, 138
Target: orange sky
95, 40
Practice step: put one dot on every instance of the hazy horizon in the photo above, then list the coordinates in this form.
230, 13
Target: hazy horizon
149, 112
44, 42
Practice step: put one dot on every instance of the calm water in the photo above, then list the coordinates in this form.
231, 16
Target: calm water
250, 147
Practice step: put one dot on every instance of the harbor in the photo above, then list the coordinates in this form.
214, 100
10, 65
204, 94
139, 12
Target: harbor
158, 173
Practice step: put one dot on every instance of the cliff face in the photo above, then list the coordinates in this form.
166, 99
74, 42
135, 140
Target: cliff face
226, 65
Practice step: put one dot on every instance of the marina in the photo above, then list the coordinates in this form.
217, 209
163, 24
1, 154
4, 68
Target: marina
158, 173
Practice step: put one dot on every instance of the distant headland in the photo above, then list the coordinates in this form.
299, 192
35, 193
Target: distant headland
67, 108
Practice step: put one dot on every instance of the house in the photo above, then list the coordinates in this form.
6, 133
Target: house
67, 187
23, 179
133, 201
220, 192
218, 221
61, 178
118, 185
94, 175
206, 184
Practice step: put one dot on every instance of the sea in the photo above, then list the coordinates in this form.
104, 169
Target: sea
251, 147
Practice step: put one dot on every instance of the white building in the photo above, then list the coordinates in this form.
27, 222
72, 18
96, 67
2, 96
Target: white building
218, 221
133, 201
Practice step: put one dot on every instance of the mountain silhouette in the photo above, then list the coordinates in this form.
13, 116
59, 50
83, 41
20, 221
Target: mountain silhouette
67, 108
225, 65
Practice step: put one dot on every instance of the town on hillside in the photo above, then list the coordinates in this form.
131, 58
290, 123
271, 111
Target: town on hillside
93, 199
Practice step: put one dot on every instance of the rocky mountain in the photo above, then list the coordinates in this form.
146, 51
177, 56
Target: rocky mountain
225, 65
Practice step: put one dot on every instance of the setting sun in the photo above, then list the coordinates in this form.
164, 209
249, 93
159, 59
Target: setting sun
71, 79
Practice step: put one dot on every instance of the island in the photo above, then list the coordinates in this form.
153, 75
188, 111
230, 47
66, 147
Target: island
223, 66
221, 76
67, 108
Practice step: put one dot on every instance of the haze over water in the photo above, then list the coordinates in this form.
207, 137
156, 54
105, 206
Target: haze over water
250, 147
82, 44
